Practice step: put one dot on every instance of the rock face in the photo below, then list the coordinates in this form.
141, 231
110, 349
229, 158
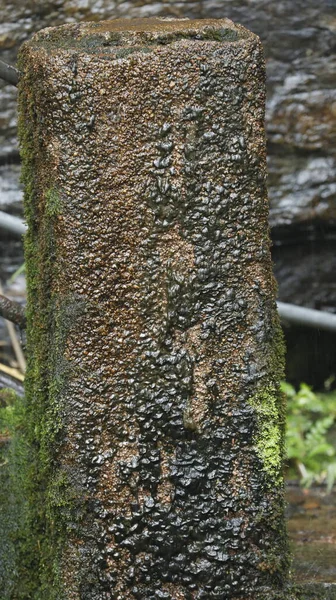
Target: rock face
153, 419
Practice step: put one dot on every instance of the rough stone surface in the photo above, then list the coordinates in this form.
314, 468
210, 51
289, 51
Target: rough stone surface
299, 42
155, 424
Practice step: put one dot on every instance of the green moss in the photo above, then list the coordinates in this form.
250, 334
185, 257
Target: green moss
8, 398
270, 407
40, 495
211, 34
52, 202
221, 35
268, 440
13, 513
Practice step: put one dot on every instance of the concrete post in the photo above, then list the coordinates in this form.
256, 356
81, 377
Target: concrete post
155, 422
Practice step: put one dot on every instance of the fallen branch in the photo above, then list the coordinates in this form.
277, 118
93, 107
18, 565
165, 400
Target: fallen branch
13, 373
12, 311
9, 74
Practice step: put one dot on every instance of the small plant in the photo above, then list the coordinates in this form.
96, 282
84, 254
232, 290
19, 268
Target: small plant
311, 421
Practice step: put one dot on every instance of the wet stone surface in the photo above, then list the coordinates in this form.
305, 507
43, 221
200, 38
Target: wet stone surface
156, 355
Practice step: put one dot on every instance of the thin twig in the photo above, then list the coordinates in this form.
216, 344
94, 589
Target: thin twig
20, 357
9, 74
12, 311
14, 373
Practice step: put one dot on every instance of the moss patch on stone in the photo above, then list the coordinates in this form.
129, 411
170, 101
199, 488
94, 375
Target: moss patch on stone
39, 494
268, 440
270, 407
53, 202
13, 513
111, 37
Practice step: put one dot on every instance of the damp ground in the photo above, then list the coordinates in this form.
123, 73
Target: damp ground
312, 531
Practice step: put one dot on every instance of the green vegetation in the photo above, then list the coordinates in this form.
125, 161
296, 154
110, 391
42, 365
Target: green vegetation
311, 434
7, 408
53, 202
269, 439
13, 452
32, 467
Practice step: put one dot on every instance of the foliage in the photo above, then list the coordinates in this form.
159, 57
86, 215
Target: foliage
269, 439
7, 411
311, 420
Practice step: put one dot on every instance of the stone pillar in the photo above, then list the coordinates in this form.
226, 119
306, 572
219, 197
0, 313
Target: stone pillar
154, 418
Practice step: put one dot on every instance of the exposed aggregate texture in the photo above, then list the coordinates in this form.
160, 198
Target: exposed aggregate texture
154, 414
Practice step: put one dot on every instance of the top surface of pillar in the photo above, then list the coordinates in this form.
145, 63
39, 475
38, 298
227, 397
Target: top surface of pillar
107, 36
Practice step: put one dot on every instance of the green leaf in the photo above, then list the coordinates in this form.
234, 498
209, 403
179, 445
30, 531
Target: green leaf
322, 450
331, 476
311, 420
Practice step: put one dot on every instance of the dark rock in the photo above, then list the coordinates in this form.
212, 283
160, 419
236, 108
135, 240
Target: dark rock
305, 265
